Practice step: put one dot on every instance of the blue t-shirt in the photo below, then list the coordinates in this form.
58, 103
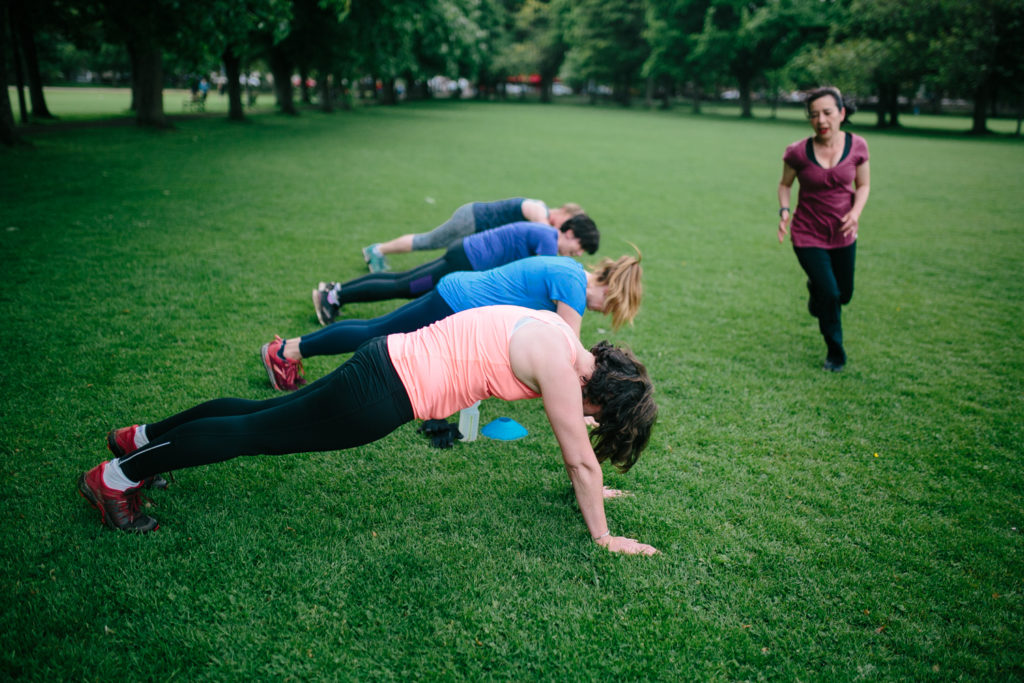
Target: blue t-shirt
536, 282
493, 248
487, 215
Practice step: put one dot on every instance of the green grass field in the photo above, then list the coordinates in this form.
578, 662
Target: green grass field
860, 526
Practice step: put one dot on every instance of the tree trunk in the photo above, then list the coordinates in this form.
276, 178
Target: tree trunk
324, 86
233, 71
8, 136
698, 92
19, 75
746, 110
1020, 112
281, 67
547, 81
980, 119
387, 92
304, 95
621, 91
27, 39
148, 83
894, 107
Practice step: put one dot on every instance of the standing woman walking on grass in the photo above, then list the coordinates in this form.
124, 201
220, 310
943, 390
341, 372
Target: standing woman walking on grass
832, 166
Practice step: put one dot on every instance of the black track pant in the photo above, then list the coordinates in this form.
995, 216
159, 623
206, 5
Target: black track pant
360, 402
830, 272
407, 285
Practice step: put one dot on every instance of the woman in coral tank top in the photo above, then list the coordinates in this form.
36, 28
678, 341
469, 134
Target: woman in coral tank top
508, 352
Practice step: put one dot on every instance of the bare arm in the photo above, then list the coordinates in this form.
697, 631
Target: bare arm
535, 361
785, 194
862, 187
569, 315
535, 211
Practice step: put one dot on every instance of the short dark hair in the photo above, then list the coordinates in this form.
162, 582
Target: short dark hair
624, 393
829, 90
584, 230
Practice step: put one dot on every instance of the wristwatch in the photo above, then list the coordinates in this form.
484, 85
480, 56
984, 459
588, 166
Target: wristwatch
785, 208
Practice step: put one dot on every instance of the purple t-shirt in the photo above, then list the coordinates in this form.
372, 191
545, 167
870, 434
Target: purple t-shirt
493, 248
826, 194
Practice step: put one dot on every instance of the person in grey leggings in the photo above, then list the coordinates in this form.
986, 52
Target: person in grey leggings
468, 219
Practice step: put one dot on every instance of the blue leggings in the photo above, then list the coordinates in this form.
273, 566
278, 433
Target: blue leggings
346, 335
830, 272
407, 285
358, 403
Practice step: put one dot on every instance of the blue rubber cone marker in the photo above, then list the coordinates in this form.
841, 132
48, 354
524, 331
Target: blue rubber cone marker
504, 429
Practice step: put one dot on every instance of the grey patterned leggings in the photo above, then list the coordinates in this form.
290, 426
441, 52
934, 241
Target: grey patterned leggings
461, 224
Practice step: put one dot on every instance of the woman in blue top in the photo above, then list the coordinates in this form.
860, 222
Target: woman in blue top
469, 219
482, 251
553, 283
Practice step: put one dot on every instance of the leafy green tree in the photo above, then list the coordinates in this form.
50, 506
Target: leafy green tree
671, 32
539, 42
606, 44
981, 50
8, 135
27, 18
743, 41
146, 29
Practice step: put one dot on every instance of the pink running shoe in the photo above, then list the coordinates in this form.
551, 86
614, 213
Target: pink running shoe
121, 441
284, 374
118, 509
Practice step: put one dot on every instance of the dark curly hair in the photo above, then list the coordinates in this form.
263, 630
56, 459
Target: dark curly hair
622, 389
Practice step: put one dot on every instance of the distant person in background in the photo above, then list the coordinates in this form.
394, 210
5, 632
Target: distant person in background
832, 167
468, 219
481, 251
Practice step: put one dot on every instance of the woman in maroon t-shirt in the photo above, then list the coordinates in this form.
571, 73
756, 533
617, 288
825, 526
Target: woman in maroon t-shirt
832, 167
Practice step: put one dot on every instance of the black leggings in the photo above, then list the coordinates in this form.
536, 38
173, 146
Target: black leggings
830, 272
407, 285
346, 335
358, 403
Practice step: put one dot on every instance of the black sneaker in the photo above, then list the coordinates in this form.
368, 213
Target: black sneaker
118, 509
833, 365
326, 312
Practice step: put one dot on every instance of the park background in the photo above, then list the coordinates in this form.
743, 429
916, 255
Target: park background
860, 526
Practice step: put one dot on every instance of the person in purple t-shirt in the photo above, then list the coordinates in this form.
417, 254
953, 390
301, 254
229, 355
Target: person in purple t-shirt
468, 219
480, 251
832, 167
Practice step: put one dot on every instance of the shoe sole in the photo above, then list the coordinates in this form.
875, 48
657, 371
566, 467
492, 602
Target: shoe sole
317, 308
86, 492
265, 357
112, 444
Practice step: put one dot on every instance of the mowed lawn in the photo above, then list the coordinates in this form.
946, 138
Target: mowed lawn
859, 526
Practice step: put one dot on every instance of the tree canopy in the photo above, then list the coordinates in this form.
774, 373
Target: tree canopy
881, 51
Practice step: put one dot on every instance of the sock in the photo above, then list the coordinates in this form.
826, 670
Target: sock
280, 352
332, 295
115, 479
140, 436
